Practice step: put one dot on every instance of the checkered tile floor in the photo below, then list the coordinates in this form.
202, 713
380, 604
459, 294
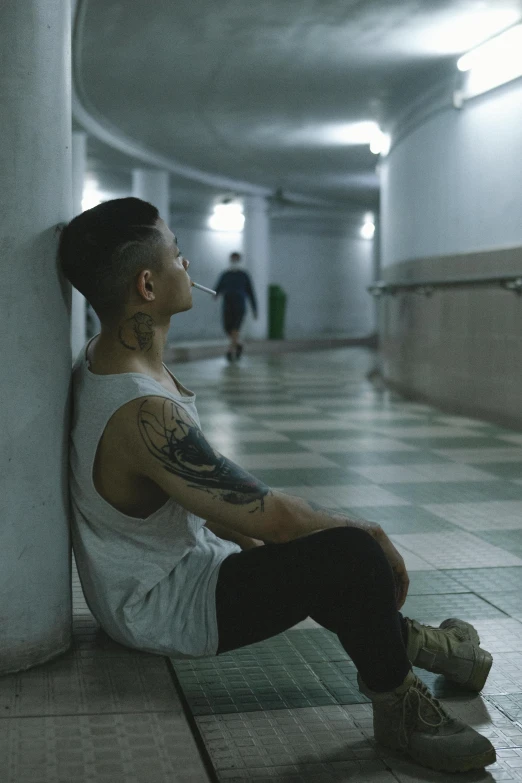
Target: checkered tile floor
448, 490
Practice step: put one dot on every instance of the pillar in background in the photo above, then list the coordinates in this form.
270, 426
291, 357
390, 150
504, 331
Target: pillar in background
79, 305
152, 185
376, 268
256, 250
35, 171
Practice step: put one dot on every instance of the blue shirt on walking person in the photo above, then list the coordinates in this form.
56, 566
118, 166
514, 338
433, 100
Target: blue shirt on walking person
236, 287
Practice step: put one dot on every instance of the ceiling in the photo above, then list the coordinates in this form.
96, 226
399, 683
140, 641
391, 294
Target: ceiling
251, 92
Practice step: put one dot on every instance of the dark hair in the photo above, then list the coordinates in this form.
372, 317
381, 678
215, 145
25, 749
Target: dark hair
235, 254
103, 248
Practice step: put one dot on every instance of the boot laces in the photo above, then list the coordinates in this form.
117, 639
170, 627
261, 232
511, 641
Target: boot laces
412, 704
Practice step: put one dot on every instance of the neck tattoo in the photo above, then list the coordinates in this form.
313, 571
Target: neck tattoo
137, 333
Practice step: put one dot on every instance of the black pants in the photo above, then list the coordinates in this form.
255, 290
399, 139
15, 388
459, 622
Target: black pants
339, 577
234, 310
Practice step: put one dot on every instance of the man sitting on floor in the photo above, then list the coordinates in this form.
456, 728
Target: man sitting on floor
168, 534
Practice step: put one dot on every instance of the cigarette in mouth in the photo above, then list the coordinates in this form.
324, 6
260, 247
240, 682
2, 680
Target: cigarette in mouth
202, 288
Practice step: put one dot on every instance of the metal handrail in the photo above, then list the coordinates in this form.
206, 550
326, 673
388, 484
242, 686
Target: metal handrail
427, 287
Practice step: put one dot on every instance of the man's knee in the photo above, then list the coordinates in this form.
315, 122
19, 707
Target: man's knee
343, 549
343, 539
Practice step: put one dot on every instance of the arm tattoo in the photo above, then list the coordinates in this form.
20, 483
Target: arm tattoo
174, 439
137, 333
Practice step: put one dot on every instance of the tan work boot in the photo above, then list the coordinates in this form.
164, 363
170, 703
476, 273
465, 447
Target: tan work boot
452, 649
410, 719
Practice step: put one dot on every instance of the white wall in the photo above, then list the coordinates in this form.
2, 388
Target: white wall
454, 185
324, 273
452, 208
325, 276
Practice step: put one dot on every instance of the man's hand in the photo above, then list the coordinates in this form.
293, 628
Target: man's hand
402, 580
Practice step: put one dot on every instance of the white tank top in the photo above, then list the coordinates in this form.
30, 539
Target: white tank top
150, 582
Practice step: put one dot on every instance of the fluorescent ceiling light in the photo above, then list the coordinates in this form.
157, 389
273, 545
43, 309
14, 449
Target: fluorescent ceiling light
493, 63
507, 44
453, 32
227, 217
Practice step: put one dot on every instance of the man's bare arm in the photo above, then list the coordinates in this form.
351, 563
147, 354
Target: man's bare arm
245, 542
170, 449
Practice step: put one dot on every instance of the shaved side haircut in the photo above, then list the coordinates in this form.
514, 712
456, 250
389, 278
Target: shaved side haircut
103, 249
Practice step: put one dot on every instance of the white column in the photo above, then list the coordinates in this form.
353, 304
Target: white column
79, 305
256, 250
35, 171
152, 185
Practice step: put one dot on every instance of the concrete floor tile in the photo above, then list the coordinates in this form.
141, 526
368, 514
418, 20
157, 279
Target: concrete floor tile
293, 461
320, 735
450, 550
433, 583
134, 748
355, 444
83, 685
481, 454
429, 608
421, 473
500, 636
348, 495
486, 581
310, 424
246, 436
515, 437
426, 493
481, 515
427, 431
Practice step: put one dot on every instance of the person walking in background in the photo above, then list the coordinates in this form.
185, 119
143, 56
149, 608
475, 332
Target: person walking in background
236, 286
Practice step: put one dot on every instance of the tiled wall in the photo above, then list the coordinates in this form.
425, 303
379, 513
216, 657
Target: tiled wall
458, 348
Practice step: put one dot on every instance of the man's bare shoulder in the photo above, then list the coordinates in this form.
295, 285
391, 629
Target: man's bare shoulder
127, 420
120, 465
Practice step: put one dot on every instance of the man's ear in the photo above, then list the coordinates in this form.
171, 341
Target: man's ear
145, 285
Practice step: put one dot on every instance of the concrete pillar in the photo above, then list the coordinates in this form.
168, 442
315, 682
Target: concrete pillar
35, 171
79, 305
376, 268
152, 185
256, 250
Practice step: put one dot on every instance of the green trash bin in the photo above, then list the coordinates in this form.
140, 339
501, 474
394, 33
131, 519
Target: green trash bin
276, 312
